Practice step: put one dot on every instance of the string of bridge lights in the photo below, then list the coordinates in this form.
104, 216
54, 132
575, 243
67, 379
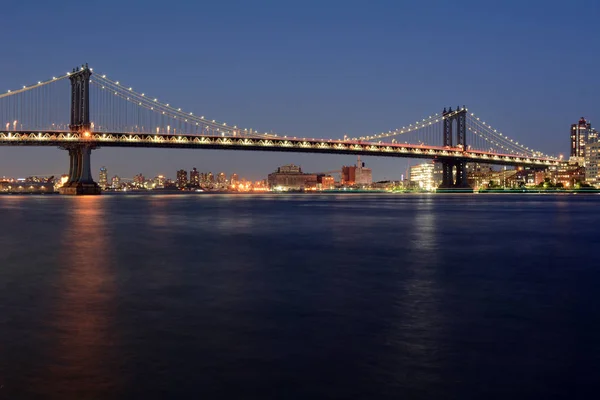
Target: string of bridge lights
34, 86
496, 143
146, 102
424, 123
499, 135
503, 140
153, 104
495, 132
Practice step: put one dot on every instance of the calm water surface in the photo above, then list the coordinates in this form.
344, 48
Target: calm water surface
300, 297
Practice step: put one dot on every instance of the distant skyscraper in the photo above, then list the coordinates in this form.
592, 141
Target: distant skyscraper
194, 177
139, 180
103, 181
182, 178
592, 163
221, 178
159, 181
116, 182
234, 180
210, 178
581, 134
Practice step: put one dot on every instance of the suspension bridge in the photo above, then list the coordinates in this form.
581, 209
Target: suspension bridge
103, 112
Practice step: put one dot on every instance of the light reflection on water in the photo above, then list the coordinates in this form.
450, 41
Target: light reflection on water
81, 323
298, 296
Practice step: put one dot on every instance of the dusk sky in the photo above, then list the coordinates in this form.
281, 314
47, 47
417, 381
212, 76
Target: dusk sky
313, 68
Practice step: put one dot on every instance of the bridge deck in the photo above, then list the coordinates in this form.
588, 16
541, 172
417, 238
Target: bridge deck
280, 144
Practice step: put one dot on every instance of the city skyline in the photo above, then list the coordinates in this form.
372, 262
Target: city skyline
362, 82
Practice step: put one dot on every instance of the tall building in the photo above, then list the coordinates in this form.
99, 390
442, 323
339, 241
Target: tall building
139, 180
592, 163
159, 181
103, 181
234, 180
116, 182
210, 178
581, 134
221, 178
182, 178
194, 177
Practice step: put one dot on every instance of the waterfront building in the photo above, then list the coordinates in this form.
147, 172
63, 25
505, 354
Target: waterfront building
103, 181
478, 175
422, 176
116, 182
159, 182
234, 180
221, 178
210, 178
325, 182
592, 162
23, 186
139, 181
194, 177
570, 173
357, 174
182, 180
291, 177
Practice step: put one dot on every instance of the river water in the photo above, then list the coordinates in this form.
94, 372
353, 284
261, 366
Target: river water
300, 296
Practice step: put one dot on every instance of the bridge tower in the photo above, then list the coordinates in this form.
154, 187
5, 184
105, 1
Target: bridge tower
80, 174
454, 172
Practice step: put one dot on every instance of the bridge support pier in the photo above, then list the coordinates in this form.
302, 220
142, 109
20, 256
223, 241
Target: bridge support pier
454, 177
80, 173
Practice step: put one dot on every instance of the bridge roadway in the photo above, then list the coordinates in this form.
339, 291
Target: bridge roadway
281, 144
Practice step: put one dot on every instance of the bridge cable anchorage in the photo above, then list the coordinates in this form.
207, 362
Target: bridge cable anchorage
168, 116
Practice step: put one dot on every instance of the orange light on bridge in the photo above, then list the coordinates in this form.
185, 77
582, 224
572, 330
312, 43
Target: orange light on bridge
86, 134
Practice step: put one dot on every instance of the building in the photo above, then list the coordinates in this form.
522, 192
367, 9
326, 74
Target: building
234, 180
182, 180
582, 134
592, 162
291, 177
348, 175
103, 181
139, 180
357, 174
116, 182
194, 177
478, 175
422, 176
325, 182
570, 173
159, 182
221, 178
21, 186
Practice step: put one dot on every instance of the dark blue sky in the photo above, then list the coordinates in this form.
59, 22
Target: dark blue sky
313, 68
